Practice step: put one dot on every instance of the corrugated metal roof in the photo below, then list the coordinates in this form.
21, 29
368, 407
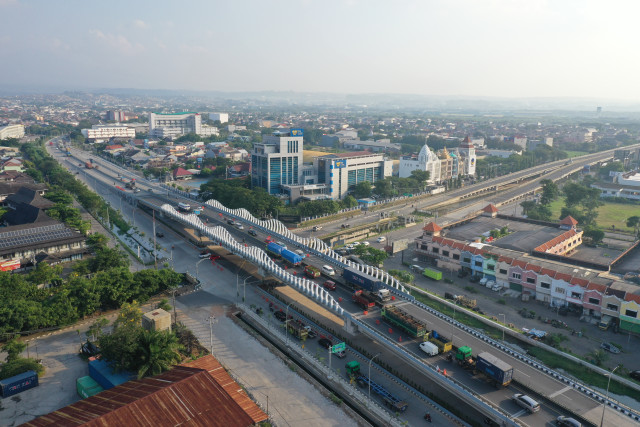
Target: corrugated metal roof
183, 396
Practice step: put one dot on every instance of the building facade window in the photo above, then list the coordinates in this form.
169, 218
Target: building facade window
467, 260
559, 291
478, 263
595, 301
576, 295
435, 250
456, 256
445, 253
545, 285
612, 307
631, 313
531, 280
516, 275
503, 271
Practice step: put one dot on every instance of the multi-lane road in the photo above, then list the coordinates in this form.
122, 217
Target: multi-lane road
543, 384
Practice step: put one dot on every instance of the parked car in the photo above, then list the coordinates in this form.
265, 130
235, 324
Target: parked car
526, 402
325, 342
635, 375
317, 227
483, 281
381, 239
610, 347
474, 279
328, 270
567, 422
252, 232
350, 247
280, 315
365, 243
330, 285
159, 234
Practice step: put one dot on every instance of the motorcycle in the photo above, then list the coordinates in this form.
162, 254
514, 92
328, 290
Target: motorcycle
427, 417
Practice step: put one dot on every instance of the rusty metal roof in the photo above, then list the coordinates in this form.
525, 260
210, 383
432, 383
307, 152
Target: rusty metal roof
220, 375
184, 396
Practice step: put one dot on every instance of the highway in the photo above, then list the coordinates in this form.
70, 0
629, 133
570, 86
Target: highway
545, 385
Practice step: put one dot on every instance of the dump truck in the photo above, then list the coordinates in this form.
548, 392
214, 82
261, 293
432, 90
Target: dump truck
297, 330
396, 316
432, 273
390, 401
443, 343
499, 372
465, 302
364, 299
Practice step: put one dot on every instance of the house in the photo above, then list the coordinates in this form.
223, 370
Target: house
114, 149
241, 169
181, 174
12, 164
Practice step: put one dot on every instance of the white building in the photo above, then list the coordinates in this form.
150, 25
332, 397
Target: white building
100, 133
221, 117
11, 131
162, 125
427, 161
277, 160
468, 152
342, 172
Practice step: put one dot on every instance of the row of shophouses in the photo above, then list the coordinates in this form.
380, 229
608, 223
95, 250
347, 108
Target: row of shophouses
591, 292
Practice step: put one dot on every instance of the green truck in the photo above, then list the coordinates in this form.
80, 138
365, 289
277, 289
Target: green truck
432, 273
396, 316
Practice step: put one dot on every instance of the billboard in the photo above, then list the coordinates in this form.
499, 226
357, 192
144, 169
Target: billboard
339, 164
9, 265
399, 245
297, 132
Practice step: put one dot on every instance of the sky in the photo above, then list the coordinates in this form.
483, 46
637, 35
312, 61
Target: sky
479, 48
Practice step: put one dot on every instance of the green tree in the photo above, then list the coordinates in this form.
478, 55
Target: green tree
13, 348
97, 241
593, 235
59, 196
634, 222
550, 191
349, 202
383, 188
527, 206
362, 190
158, 351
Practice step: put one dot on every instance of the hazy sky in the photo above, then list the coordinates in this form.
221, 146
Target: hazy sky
505, 48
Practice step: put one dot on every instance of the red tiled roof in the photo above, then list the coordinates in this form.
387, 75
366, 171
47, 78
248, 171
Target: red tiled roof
505, 259
113, 147
563, 276
533, 267
490, 208
432, 227
181, 172
578, 281
596, 287
518, 263
556, 241
632, 297
569, 220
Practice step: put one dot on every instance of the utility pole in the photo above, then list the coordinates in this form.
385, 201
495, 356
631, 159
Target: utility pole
155, 252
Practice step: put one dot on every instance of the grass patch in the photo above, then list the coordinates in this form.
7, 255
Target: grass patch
571, 153
615, 214
581, 372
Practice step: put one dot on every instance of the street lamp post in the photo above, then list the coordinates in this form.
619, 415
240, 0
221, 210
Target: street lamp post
371, 360
604, 404
203, 259
211, 319
504, 322
238, 279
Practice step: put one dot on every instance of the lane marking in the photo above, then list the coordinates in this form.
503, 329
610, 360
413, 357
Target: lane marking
552, 395
519, 414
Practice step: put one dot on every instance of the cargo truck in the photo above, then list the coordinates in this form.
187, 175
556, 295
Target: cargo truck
361, 280
605, 322
499, 372
396, 316
442, 342
311, 271
464, 357
274, 249
390, 401
432, 273
364, 299
291, 257
297, 330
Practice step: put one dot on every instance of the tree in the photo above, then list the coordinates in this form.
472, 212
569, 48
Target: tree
383, 188
550, 191
158, 351
593, 234
362, 190
634, 222
97, 241
527, 206
13, 348
349, 202
420, 177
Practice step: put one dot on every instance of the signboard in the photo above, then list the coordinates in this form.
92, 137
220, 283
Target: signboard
338, 347
297, 132
399, 245
12, 264
339, 164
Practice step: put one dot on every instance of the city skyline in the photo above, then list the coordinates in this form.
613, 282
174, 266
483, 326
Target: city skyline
502, 48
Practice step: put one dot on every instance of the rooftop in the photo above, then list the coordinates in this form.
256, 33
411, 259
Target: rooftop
351, 154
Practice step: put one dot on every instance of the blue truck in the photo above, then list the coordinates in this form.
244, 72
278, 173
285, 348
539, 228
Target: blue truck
291, 257
361, 280
499, 372
275, 249
18, 383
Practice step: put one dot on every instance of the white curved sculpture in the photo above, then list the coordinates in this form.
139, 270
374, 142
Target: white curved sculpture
314, 244
257, 256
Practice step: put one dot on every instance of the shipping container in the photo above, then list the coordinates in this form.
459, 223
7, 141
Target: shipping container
18, 383
291, 257
87, 387
432, 273
500, 372
100, 371
274, 248
361, 280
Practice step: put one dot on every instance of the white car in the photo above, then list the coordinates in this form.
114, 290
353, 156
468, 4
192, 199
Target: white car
381, 239
239, 226
350, 247
365, 243
483, 281
490, 284
328, 270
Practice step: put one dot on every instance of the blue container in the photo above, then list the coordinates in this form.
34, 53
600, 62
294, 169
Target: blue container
361, 280
102, 373
275, 248
494, 368
291, 257
18, 383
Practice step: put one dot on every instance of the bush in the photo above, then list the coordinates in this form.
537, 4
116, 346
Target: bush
20, 366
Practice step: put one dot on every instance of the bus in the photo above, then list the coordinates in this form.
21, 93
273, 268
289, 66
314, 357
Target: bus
184, 207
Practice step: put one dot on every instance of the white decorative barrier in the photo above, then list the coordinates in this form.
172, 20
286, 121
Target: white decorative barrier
257, 256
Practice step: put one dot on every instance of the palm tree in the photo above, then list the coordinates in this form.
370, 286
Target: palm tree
158, 351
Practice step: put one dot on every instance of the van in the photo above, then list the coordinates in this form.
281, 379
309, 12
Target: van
429, 348
328, 270
417, 268
526, 402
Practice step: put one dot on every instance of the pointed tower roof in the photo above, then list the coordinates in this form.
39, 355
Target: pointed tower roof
466, 143
432, 227
490, 208
569, 220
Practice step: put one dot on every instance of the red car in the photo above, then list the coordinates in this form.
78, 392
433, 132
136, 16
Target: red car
330, 285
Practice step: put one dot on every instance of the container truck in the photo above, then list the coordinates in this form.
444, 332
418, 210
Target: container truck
432, 273
396, 316
291, 257
442, 342
364, 299
297, 330
361, 280
274, 249
499, 372
390, 401
18, 383
311, 271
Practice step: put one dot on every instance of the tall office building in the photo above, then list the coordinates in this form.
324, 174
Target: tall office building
221, 117
277, 161
162, 125
342, 172
118, 116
